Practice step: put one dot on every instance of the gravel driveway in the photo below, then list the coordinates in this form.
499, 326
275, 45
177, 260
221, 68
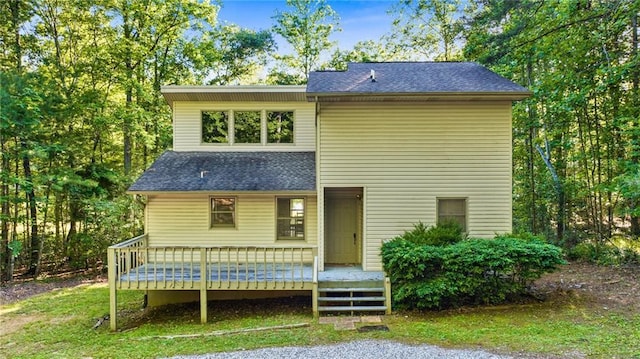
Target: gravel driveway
363, 349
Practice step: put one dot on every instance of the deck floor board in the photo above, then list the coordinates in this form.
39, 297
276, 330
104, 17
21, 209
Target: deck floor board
188, 272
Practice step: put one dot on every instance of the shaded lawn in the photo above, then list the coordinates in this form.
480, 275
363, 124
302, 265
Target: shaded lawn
59, 324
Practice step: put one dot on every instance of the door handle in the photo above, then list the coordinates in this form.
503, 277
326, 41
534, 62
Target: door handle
354, 239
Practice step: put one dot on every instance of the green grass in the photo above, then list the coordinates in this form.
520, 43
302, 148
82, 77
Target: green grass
59, 325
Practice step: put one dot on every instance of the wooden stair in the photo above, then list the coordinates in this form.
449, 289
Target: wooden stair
353, 297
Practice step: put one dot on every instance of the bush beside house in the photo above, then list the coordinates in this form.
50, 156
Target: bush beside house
450, 273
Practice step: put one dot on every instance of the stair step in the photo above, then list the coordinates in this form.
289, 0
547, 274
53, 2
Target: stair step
343, 290
350, 299
360, 308
352, 284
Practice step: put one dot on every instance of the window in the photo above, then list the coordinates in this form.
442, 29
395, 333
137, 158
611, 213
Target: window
453, 209
247, 126
290, 222
279, 127
223, 212
215, 127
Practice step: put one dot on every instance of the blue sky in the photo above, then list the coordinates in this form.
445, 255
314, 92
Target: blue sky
359, 20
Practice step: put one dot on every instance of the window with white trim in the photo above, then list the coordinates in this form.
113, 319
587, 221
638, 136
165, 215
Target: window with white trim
223, 212
215, 126
247, 127
453, 210
290, 218
279, 126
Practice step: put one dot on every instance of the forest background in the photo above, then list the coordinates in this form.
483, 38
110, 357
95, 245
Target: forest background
81, 114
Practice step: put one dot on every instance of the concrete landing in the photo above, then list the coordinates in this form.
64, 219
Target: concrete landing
349, 323
347, 274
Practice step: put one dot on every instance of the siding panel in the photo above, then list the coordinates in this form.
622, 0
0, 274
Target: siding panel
183, 220
407, 155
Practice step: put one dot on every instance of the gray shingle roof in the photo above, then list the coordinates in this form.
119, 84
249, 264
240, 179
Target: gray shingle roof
229, 171
412, 78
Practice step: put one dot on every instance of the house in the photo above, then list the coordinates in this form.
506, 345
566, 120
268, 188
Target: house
273, 189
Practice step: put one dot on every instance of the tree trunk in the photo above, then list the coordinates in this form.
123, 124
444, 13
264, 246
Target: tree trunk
5, 251
127, 120
635, 141
532, 113
557, 183
34, 258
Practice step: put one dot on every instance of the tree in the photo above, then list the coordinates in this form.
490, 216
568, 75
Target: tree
144, 27
80, 83
21, 116
362, 51
576, 58
307, 27
428, 29
229, 54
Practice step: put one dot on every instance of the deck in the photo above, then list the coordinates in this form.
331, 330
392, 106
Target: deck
134, 265
221, 276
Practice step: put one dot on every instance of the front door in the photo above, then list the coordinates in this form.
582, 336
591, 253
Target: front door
342, 226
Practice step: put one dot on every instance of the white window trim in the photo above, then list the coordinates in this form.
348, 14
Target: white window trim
304, 218
466, 210
264, 135
235, 213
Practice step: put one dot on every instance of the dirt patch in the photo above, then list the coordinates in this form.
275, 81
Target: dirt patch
607, 287
23, 289
8, 326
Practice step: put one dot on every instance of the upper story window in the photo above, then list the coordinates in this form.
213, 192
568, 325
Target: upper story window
248, 127
215, 126
280, 126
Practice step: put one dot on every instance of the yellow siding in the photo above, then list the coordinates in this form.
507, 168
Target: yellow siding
187, 126
183, 220
407, 155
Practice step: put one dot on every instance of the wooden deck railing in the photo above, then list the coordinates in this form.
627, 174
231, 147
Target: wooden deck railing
133, 264
126, 256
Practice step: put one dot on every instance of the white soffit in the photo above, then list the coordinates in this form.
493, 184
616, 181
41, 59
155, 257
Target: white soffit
234, 93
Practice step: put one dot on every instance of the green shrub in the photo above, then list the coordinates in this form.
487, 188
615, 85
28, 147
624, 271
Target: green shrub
604, 254
474, 271
525, 236
442, 234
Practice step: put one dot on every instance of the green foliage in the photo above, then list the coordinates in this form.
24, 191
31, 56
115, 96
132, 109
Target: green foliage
524, 236
584, 111
362, 51
228, 54
474, 271
444, 233
307, 27
427, 29
15, 247
606, 253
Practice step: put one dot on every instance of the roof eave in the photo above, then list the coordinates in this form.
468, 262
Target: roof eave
173, 93
270, 192
427, 96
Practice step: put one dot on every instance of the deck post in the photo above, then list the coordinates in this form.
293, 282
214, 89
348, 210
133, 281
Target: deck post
113, 294
387, 295
203, 285
314, 292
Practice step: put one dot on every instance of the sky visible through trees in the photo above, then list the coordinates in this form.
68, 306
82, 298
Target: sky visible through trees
81, 115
